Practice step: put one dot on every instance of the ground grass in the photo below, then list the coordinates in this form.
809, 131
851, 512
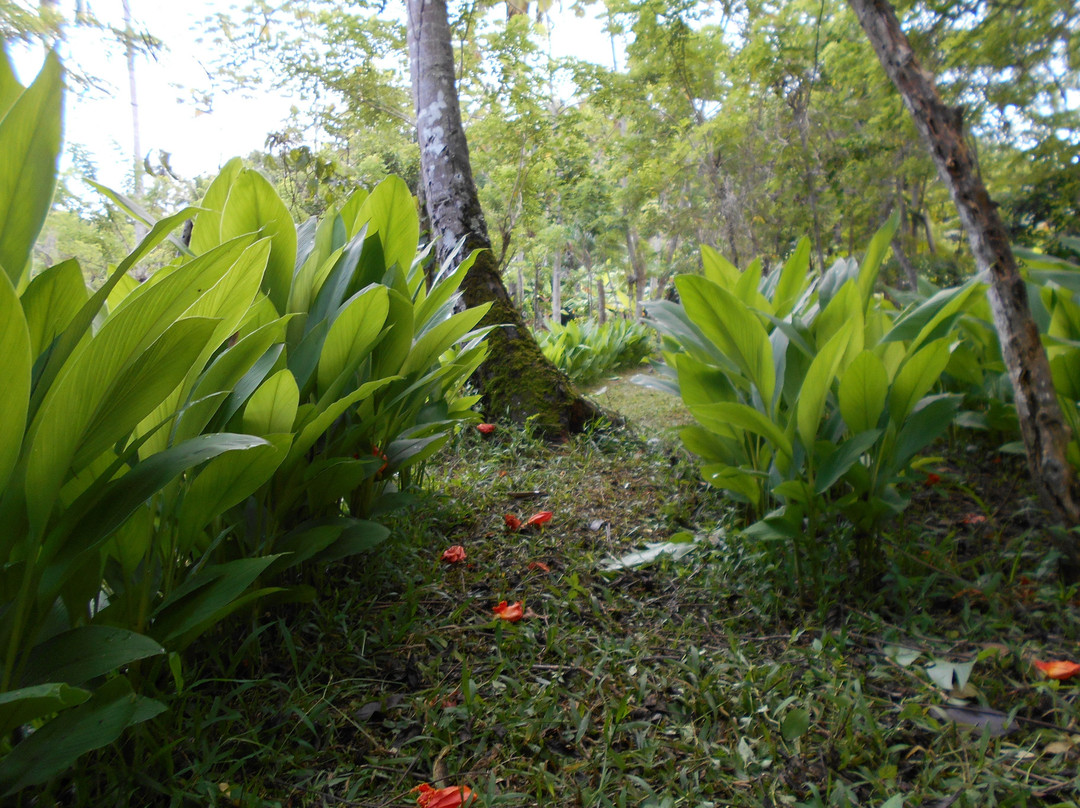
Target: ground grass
690, 682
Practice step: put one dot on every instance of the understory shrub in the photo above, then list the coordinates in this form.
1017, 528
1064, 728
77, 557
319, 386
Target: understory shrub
813, 397
588, 350
169, 449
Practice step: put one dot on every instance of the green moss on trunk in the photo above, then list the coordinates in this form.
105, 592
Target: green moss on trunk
517, 378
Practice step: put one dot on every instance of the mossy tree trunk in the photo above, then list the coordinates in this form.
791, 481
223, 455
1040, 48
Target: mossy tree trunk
516, 377
1045, 433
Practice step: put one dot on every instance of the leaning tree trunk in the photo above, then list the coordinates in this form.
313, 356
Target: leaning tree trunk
1045, 433
516, 376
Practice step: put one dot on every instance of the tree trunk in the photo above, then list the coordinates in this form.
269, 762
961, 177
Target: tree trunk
136, 152
1045, 433
556, 287
516, 377
601, 301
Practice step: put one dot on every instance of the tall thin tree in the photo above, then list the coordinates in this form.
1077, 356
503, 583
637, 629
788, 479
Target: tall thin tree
1044, 430
516, 377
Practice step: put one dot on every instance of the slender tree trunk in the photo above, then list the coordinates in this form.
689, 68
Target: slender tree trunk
1045, 433
556, 287
516, 377
136, 147
601, 301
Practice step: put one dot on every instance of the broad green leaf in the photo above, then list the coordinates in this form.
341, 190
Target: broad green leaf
228, 480
718, 269
792, 280
55, 746
18, 707
390, 211
139, 388
921, 323
818, 382
875, 254
724, 415
930, 419
272, 408
441, 338
84, 653
30, 136
92, 518
735, 330
206, 229
359, 537
137, 212
836, 465
51, 302
352, 335
313, 429
10, 89
204, 598
16, 362
700, 383
795, 724
253, 206
443, 291
712, 446
916, 376
862, 392
746, 485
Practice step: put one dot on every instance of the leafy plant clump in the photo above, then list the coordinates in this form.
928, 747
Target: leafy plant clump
588, 351
169, 449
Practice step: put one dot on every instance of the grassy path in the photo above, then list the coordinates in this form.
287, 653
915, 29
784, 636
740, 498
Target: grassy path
688, 682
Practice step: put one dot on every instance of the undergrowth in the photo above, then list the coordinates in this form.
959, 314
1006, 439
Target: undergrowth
689, 682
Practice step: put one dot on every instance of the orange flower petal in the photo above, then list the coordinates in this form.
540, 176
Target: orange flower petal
485, 429
512, 522
452, 555
539, 518
931, 480
1058, 668
450, 797
539, 565
512, 612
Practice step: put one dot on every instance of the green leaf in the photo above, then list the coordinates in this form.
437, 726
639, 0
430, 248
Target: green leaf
835, 465
792, 280
718, 269
930, 419
733, 328
358, 537
875, 254
30, 135
55, 746
390, 211
795, 724
352, 335
84, 653
51, 302
228, 480
18, 707
862, 392
272, 408
817, 383
15, 367
204, 599
206, 229
137, 212
725, 414
253, 206
916, 376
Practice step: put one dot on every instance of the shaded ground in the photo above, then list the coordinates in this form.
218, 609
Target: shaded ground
696, 682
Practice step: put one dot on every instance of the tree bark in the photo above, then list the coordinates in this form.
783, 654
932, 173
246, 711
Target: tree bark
1045, 433
136, 150
516, 378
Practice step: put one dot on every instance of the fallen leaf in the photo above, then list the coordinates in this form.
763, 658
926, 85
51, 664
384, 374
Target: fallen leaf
651, 552
982, 719
539, 565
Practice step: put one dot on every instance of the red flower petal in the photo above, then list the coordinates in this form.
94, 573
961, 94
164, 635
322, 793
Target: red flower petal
452, 555
512, 612
539, 518
1058, 668
539, 565
450, 797
512, 522
485, 429
931, 479
973, 519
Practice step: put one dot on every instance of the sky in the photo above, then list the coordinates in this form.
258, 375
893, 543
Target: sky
172, 118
